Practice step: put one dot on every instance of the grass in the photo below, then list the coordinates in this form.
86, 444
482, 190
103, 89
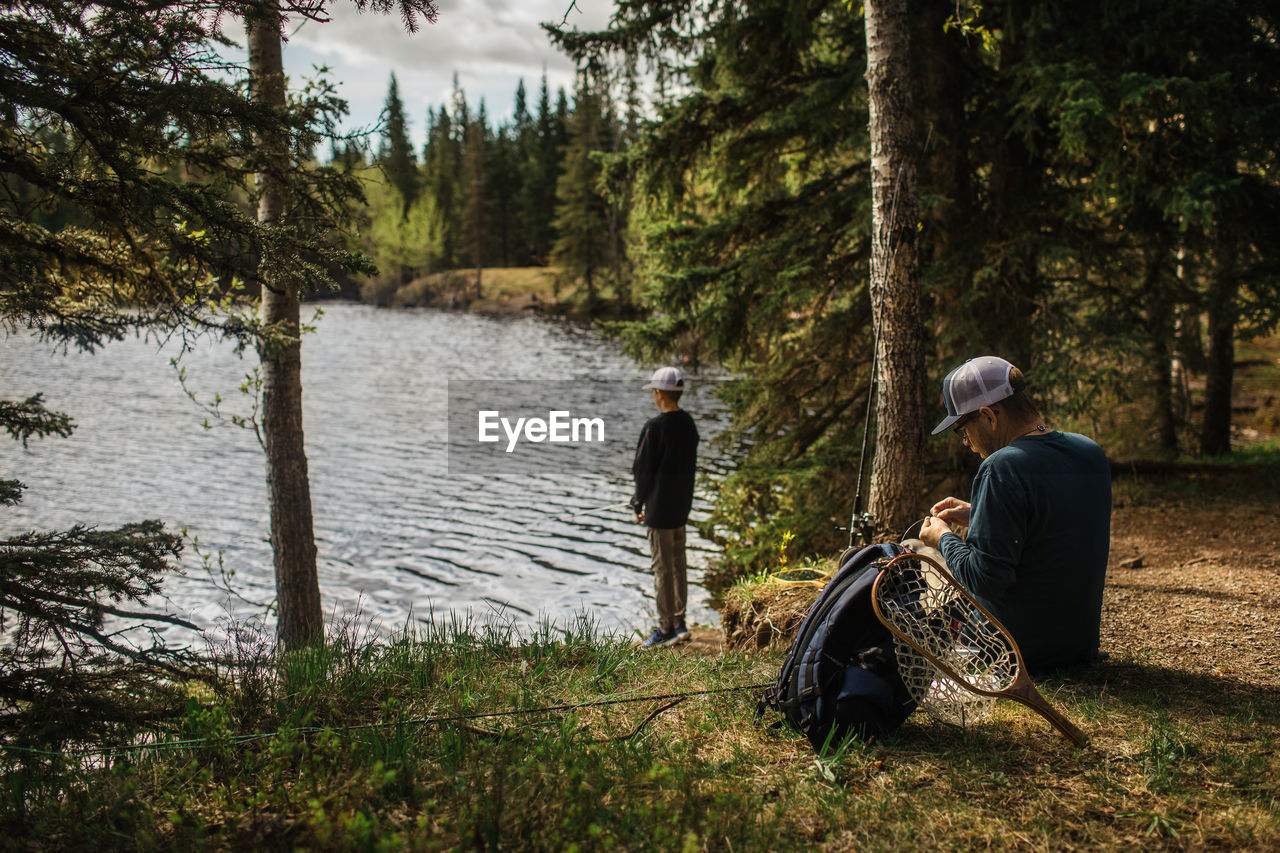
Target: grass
1177, 761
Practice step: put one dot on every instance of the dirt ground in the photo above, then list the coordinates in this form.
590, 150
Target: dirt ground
1193, 583
706, 642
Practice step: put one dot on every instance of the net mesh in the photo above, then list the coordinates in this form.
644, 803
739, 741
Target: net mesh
944, 626
936, 693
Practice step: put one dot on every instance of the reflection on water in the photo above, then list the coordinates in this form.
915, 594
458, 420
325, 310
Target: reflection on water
397, 533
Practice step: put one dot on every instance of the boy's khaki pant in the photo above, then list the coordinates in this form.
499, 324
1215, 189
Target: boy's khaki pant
669, 581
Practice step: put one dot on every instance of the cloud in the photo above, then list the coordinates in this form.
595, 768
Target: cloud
489, 44
471, 37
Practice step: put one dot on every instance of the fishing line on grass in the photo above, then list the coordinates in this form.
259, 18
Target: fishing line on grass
671, 700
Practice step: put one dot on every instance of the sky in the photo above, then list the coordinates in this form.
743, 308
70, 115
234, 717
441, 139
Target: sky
490, 44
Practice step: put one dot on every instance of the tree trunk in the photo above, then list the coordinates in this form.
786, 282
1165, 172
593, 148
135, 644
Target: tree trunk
1162, 375
1215, 435
1160, 328
615, 256
300, 619
896, 471
944, 152
1187, 350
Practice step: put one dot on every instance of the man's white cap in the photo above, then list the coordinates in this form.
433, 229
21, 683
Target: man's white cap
667, 379
978, 382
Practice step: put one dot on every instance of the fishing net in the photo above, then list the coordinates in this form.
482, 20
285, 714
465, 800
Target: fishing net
937, 693
947, 648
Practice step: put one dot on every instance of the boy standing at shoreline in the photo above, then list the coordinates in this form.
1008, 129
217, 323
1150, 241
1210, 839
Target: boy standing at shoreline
664, 475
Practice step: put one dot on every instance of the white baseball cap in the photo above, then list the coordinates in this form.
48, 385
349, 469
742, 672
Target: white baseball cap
667, 379
978, 382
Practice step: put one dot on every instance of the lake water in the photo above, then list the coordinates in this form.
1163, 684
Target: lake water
401, 533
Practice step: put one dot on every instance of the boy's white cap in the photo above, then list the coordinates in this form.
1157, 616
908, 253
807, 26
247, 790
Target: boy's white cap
978, 382
667, 379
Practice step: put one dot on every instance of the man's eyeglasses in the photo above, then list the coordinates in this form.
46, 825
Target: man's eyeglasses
959, 428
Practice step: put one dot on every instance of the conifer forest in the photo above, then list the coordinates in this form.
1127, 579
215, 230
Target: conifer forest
1094, 184
816, 208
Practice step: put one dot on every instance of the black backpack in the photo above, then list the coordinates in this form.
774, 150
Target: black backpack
841, 675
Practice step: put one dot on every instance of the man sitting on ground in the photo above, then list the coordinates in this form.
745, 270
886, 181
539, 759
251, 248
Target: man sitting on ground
1039, 523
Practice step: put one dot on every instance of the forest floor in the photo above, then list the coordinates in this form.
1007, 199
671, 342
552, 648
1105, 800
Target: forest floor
1194, 578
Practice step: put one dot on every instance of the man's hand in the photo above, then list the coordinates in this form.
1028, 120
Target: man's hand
640, 517
950, 510
932, 529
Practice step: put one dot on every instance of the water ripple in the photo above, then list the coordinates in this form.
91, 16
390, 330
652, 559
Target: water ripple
397, 536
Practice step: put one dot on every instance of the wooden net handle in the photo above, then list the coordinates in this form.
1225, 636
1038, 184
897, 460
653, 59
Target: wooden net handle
1024, 691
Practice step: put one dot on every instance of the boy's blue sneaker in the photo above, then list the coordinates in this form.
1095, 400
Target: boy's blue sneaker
660, 639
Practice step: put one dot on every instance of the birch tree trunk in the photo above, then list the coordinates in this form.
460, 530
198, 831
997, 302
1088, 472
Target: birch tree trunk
300, 619
896, 472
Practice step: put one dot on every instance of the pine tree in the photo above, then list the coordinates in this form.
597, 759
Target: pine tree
300, 619
475, 212
396, 155
461, 112
895, 274
441, 179
752, 194
293, 547
617, 180
560, 124
1158, 196
582, 225
1092, 177
540, 171
503, 181
513, 152
107, 111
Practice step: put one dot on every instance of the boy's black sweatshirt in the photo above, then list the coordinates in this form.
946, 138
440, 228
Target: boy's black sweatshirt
664, 469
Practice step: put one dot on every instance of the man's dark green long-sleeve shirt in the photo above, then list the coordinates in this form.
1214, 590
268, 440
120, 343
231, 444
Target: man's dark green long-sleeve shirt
1036, 551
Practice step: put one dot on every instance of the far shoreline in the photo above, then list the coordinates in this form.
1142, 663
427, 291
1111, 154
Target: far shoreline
503, 291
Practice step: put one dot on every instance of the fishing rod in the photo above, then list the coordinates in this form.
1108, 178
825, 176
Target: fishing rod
862, 524
593, 511
600, 509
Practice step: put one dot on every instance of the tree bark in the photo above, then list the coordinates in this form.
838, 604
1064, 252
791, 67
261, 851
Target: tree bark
300, 620
896, 471
1215, 434
1160, 328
